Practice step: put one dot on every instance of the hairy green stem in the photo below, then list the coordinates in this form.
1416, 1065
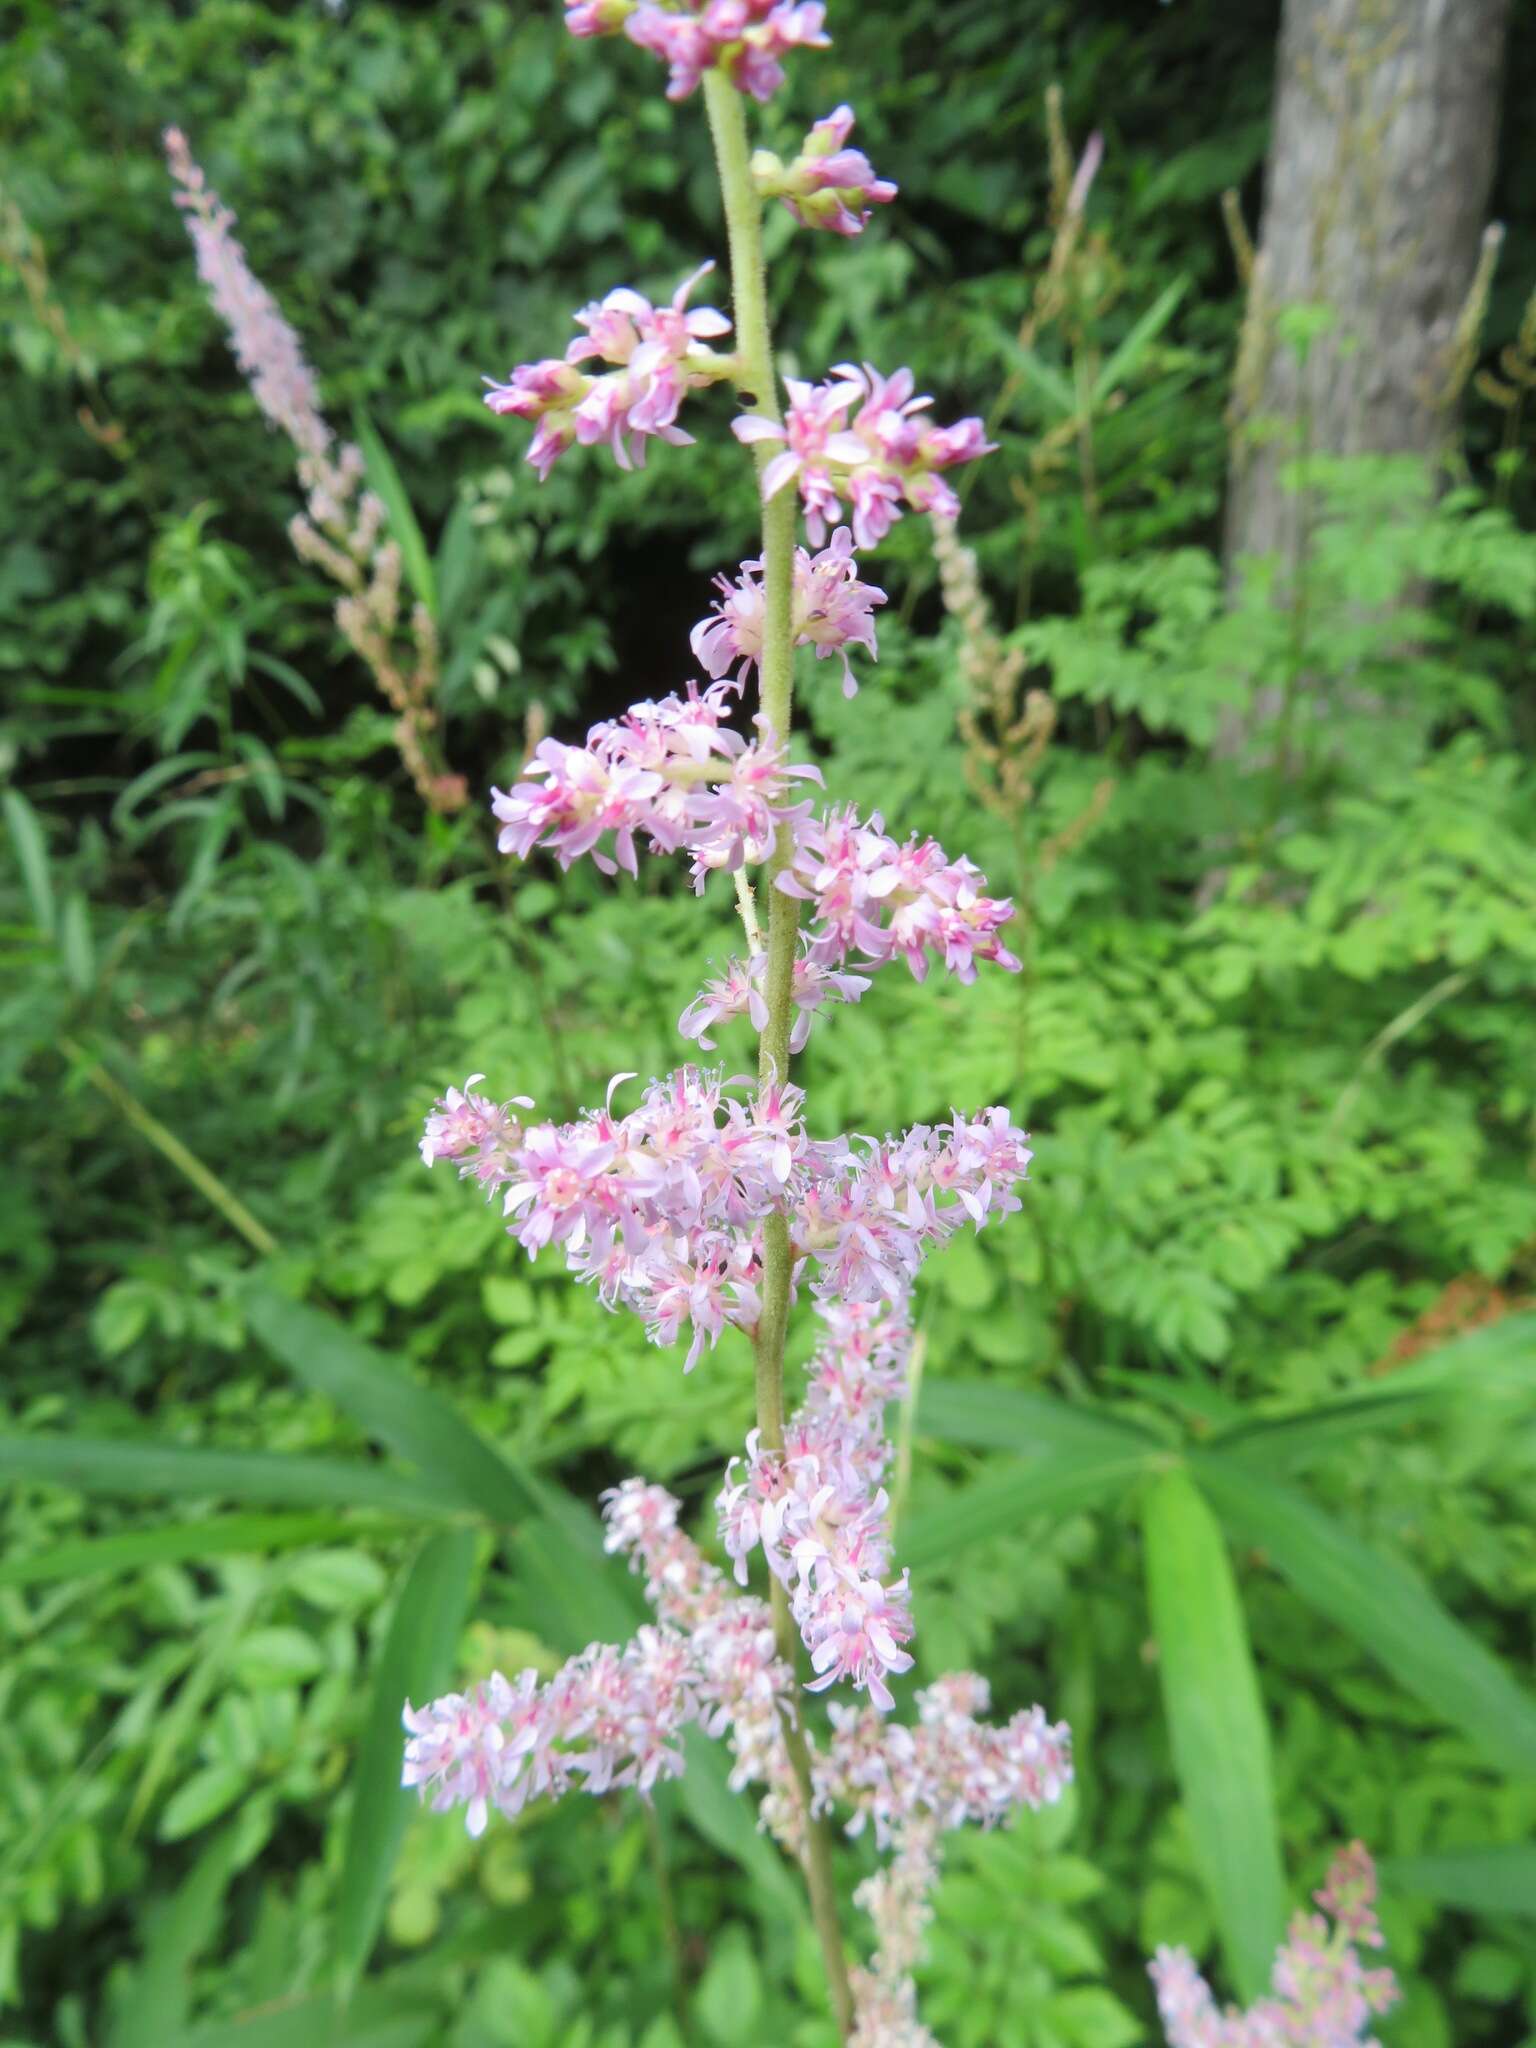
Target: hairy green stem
756, 381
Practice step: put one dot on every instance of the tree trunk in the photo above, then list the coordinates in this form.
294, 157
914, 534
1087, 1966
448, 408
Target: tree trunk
1380, 163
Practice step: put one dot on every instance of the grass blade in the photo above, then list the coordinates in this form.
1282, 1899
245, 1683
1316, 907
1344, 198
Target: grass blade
131, 1469
1497, 1880
384, 481
412, 1421
175, 1543
415, 1663
992, 1416
1127, 356
1495, 1365
1216, 1722
32, 858
1058, 1483
1382, 1603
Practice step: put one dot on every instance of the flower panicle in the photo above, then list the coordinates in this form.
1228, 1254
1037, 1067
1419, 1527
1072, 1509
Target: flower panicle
343, 529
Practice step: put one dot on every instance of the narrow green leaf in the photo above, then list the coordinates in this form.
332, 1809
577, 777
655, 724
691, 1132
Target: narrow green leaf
992, 1416
415, 1663
202, 1798
173, 1543
32, 857
1127, 356
1494, 1880
1494, 1367
415, 1423
1216, 1721
149, 2007
384, 481
76, 947
141, 1470
1384, 1605
1058, 1483
727, 1822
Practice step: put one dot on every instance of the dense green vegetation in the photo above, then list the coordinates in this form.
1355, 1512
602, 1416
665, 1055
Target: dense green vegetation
281, 1448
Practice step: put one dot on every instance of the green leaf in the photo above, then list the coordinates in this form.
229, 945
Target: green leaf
1059, 1483
341, 1581
32, 858
726, 1820
276, 1657
173, 1543
384, 481
728, 2003
415, 1423
993, 1416
75, 943
205, 1795
1494, 1366
1216, 1721
149, 2008
1122, 364
147, 1470
415, 1663
1384, 1605
1493, 1880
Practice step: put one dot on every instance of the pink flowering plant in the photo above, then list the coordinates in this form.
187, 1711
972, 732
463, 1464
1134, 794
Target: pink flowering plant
700, 1202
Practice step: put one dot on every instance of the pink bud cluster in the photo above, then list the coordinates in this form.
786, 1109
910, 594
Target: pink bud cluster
886, 456
673, 772
656, 355
828, 185
743, 38
877, 900
608, 1718
740, 992
1323, 1996
344, 527
830, 610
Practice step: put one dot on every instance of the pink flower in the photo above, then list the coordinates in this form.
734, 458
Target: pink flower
831, 610
657, 356
887, 457
1321, 1991
739, 993
827, 185
744, 38
877, 900
672, 772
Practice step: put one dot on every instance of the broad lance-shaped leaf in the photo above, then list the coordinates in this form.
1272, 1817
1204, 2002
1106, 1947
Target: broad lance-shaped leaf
1216, 1721
175, 1543
411, 1420
992, 1416
1494, 1880
416, 1663
384, 481
145, 1469
1009, 1491
1492, 1369
578, 1595
1378, 1600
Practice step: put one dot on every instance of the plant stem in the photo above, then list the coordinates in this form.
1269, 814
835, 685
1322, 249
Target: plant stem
755, 379
166, 1142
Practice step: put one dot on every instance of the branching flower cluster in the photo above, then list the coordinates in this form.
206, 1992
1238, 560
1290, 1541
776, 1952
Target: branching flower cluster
708, 1207
344, 528
1322, 1992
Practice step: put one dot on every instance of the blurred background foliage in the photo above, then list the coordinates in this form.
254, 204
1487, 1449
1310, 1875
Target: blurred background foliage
1275, 1034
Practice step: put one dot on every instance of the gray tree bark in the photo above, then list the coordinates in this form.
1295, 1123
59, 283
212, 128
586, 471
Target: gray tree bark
1380, 164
